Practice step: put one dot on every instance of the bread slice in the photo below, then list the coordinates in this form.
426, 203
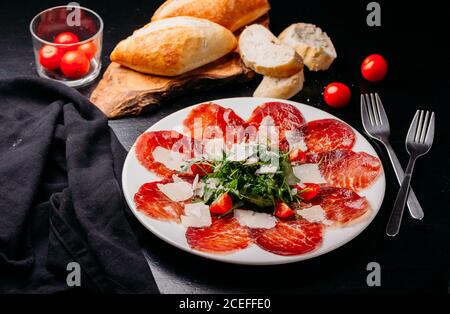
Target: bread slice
232, 14
283, 88
174, 46
311, 43
267, 55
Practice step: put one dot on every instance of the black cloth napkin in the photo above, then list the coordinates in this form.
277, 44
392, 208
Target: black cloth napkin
60, 196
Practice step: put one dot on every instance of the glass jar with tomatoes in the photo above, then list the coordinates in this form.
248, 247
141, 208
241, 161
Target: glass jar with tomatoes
67, 44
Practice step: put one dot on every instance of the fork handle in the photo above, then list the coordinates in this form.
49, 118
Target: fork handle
395, 220
415, 210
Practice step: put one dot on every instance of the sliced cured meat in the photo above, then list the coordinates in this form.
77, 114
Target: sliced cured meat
208, 121
293, 237
151, 201
225, 235
174, 144
342, 206
347, 169
327, 134
284, 116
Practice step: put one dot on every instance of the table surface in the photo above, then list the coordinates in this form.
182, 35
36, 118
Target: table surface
410, 39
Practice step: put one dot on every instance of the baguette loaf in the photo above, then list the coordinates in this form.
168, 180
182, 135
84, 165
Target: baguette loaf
311, 43
266, 54
283, 88
174, 46
231, 14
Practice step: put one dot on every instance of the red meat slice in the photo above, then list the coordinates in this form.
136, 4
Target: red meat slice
342, 206
328, 134
225, 235
285, 116
208, 121
347, 169
171, 140
151, 201
293, 237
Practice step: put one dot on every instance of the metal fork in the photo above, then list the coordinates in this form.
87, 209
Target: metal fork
418, 142
376, 124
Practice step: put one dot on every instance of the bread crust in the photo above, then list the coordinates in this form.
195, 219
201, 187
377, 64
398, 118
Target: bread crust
174, 46
231, 14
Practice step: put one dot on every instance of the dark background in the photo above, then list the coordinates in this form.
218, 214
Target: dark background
413, 39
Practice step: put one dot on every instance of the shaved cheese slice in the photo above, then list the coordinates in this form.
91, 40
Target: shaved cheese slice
309, 173
196, 215
296, 140
314, 214
267, 169
171, 159
177, 191
253, 219
214, 148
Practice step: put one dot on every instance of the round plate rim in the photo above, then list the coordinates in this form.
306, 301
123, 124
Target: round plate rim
219, 257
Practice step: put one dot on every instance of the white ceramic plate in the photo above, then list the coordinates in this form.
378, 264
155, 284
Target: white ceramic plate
134, 175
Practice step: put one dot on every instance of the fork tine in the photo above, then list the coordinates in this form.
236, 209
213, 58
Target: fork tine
424, 127
369, 109
418, 127
430, 132
364, 114
383, 116
413, 128
374, 109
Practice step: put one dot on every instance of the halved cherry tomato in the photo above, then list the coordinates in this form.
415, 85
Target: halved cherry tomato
282, 210
75, 64
67, 38
89, 49
337, 95
222, 205
297, 155
50, 57
201, 169
374, 68
307, 191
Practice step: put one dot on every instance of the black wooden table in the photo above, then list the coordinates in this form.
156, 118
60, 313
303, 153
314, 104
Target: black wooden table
411, 39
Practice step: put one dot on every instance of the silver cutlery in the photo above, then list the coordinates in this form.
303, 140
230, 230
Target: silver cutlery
418, 142
376, 124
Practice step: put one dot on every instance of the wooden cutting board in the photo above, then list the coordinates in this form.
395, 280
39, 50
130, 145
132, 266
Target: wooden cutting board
124, 92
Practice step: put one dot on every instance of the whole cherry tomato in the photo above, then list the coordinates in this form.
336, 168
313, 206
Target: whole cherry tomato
222, 205
374, 68
337, 95
89, 49
50, 57
74, 64
67, 38
282, 210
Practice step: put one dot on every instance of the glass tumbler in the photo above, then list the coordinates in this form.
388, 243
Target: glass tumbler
67, 44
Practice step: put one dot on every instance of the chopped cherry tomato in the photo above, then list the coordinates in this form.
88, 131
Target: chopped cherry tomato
89, 49
374, 68
75, 64
297, 155
308, 191
222, 205
50, 57
337, 95
67, 38
282, 210
201, 169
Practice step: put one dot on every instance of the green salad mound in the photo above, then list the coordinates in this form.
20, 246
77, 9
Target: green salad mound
260, 180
